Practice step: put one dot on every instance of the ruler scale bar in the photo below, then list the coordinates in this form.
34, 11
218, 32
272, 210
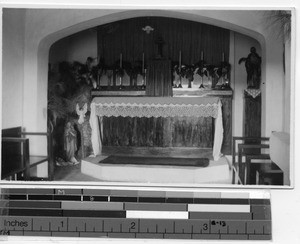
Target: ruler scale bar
91, 205
155, 206
228, 227
157, 214
218, 208
115, 213
136, 199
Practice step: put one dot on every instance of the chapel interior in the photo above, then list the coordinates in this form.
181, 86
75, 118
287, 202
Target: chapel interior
146, 96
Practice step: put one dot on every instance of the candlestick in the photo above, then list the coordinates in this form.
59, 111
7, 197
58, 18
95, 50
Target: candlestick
144, 79
223, 57
143, 68
179, 60
201, 55
120, 60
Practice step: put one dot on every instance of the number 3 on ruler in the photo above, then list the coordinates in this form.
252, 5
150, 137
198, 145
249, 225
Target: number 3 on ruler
205, 226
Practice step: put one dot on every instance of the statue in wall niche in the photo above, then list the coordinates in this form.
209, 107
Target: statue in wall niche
90, 72
253, 68
85, 131
70, 143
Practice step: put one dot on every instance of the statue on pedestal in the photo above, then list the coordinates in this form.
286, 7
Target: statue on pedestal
253, 68
70, 145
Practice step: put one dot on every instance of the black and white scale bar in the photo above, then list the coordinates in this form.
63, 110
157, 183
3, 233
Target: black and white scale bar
135, 214
108, 198
149, 226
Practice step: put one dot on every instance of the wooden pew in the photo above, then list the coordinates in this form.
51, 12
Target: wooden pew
15, 159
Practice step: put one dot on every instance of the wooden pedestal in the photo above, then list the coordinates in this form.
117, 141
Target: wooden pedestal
252, 119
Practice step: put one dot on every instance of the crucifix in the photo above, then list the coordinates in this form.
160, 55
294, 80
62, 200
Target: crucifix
160, 43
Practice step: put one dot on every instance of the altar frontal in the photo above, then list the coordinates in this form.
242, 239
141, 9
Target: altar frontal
155, 107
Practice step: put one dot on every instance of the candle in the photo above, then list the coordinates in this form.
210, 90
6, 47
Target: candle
143, 62
179, 59
201, 55
120, 60
223, 57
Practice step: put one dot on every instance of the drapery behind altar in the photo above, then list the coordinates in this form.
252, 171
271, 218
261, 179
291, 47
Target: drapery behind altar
191, 38
155, 107
158, 78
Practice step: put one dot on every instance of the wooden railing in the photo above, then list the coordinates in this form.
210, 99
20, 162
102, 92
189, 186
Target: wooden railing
16, 160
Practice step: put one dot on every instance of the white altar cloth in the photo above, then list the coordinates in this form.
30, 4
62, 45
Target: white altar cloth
155, 107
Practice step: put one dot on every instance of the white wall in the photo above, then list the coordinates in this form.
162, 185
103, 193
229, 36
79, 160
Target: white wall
76, 47
13, 68
287, 88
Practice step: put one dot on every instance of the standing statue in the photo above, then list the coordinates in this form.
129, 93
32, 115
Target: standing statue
70, 143
253, 68
81, 112
90, 72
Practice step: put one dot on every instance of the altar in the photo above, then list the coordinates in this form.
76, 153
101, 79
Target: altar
156, 107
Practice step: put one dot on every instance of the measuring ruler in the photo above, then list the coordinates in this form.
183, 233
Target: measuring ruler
135, 214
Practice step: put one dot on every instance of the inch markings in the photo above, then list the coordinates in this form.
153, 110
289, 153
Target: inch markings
135, 214
103, 226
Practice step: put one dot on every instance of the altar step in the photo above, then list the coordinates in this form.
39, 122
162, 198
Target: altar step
217, 172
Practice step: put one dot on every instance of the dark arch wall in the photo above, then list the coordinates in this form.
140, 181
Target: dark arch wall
127, 37
177, 35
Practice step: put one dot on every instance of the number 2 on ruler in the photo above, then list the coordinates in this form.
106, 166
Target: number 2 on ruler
132, 225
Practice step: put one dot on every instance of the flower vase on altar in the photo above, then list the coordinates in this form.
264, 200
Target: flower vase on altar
180, 82
174, 84
121, 82
201, 85
121, 72
209, 82
202, 70
109, 74
135, 82
180, 72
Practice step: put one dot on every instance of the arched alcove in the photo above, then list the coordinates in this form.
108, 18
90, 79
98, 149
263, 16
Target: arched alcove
80, 45
220, 19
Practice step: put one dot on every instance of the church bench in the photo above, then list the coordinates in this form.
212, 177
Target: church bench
16, 160
260, 173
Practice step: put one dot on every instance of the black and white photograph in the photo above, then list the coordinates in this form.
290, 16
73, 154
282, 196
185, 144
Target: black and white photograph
147, 96
153, 122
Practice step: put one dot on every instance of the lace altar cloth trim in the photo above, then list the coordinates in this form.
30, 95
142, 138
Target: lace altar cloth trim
253, 92
156, 107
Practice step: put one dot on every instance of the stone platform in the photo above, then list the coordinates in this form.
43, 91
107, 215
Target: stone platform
218, 172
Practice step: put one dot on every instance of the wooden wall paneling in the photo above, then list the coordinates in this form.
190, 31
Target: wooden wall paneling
227, 124
252, 120
252, 116
158, 132
168, 124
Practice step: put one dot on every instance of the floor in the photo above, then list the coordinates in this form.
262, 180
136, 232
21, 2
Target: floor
71, 173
